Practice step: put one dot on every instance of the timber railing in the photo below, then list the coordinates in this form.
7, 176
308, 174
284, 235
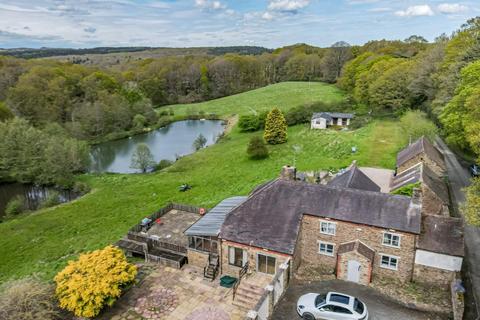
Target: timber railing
162, 211
241, 273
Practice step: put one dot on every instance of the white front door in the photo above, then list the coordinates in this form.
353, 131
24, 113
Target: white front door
353, 273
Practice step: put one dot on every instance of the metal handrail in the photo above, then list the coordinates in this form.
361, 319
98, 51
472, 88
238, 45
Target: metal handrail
241, 273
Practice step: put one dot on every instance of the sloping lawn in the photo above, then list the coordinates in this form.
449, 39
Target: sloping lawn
44, 241
284, 95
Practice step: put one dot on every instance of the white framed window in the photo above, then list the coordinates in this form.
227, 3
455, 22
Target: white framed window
237, 256
326, 248
391, 239
327, 227
389, 262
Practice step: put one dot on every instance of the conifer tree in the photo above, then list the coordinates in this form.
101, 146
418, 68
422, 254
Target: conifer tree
275, 127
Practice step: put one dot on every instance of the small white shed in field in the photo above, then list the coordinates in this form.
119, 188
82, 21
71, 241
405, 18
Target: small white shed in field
322, 120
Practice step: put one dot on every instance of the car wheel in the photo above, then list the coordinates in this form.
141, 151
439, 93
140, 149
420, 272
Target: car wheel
308, 316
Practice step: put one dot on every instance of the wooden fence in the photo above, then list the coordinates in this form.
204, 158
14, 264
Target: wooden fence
171, 206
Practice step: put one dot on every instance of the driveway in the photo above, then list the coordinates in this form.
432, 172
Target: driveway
380, 307
459, 178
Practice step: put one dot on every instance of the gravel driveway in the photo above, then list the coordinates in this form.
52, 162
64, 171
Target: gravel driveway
380, 307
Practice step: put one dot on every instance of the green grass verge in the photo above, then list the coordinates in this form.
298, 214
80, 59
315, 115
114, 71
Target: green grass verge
284, 95
43, 242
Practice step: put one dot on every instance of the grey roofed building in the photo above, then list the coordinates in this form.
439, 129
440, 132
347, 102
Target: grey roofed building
270, 218
354, 178
422, 173
442, 235
211, 222
331, 115
419, 146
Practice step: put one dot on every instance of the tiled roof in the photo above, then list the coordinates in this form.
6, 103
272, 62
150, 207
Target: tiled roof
442, 235
419, 146
330, 115
354, 178
270, 218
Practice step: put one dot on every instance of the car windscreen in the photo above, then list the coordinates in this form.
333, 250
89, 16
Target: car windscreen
358, 306
320, 300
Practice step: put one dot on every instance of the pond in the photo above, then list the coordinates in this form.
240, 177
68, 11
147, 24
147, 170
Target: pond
33, 195
168, 143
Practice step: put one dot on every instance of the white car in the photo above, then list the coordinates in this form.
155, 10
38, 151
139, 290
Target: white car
331, 306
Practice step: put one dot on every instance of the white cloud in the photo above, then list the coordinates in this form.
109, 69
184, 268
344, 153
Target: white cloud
287, 5
267, 16
207, 4
449, 8
420, 10
379, 9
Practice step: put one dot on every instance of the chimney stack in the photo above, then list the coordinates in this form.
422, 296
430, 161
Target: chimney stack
288, 173
417, 196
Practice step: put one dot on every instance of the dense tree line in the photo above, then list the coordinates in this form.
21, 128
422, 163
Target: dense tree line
48, 156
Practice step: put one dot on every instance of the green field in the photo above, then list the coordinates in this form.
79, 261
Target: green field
285, 95
43, 242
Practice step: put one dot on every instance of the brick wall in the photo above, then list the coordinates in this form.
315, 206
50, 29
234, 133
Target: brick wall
432, 276
346, 232
230, 270
439, 169
197, 258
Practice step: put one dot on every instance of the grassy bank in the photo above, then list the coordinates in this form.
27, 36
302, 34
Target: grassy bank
43, 242
284, 95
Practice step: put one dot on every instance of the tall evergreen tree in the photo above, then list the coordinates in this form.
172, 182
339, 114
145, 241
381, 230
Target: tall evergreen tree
275, 127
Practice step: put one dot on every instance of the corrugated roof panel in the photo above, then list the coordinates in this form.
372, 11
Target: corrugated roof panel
211, 222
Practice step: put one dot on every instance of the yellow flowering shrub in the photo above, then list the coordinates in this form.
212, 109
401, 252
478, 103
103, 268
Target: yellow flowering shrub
93, 281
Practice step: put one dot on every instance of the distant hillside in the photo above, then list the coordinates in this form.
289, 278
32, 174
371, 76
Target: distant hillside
29, 53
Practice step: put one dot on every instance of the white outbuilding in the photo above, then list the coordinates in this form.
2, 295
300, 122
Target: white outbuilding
323, 120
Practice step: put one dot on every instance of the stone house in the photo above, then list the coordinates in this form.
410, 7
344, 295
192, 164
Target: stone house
355, 234
421, 151
322, 120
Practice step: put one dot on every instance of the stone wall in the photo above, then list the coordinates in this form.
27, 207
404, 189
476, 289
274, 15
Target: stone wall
197, 258
346, 232
433, 276
439, 169
432, 204
227, 269
365, 271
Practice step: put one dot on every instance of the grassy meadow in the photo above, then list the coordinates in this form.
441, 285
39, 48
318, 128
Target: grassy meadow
44, 241
284, 95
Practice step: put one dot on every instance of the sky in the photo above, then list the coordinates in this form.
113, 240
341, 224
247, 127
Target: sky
194, 23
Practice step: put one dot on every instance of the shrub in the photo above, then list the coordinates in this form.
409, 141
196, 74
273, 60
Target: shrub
471, 207
81, 187
416, 124
275, 127
15, 206
407, 190
27, 299
139, 121
94, 281
164, 163
257, 148
249, 123
164, 121
5, 113
52, 199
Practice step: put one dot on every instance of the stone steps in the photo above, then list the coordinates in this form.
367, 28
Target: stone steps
247, 295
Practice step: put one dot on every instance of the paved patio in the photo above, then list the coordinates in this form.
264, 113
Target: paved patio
167, 293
